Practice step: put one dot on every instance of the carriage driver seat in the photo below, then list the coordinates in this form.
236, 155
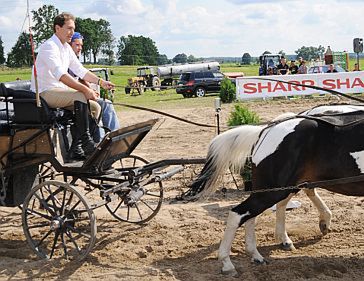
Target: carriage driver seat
24, 113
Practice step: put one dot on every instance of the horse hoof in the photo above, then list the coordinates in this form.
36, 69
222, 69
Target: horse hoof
260, 262
288, 246
323, 228
231, 273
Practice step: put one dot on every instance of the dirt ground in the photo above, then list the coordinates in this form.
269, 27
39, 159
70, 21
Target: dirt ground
181, 242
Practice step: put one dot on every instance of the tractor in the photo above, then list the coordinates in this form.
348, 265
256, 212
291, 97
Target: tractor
268, 62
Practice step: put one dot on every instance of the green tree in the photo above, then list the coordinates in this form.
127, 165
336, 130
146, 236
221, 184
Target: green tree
282, 53
137, 50
43, 23
309, 53
98, 38
246, 59
180, 58
102, 38
86, 28
21, 53
108, 51
163, 59
191, 58
2, 57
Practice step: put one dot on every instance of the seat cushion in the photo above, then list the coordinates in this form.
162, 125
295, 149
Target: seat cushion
18, 85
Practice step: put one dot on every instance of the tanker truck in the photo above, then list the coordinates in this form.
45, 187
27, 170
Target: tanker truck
160, 77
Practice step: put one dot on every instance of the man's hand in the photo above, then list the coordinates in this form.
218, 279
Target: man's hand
90, 94
107, 85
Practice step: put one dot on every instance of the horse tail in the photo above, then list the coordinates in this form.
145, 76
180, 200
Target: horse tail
230, 149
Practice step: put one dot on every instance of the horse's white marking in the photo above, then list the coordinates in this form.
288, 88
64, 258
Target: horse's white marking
281, 233
251, 242
324, 211
271, 138
359, 159
232, 225
333, 108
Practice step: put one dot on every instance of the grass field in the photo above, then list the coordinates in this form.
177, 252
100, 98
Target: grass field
157, 99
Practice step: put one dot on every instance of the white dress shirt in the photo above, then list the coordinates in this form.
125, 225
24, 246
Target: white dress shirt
53, 60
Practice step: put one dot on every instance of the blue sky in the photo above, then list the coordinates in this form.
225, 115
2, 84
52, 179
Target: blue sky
205, 28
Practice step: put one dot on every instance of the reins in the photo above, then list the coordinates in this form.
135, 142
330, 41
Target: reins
165, 114
310, 185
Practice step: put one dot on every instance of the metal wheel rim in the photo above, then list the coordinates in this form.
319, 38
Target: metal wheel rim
57, 221
200, 93
143, 210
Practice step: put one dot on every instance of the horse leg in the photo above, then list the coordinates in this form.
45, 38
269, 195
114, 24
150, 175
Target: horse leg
281, 235
324, 211
251, 242
246, 213
232, 224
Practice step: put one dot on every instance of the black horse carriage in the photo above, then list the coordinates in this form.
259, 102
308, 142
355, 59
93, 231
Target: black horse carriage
57, 218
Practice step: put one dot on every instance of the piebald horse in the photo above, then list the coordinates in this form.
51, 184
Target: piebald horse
320, 144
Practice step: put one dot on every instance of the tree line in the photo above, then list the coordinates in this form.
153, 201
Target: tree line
100, 42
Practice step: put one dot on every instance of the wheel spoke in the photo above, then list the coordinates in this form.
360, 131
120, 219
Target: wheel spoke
53, 198
128, 213
139, 213
63, 201
146, 204
118, 206
44, 204
33, 212
79, 232
64, 246
73, 208
44, 237
73, 241
44, 224
56, 234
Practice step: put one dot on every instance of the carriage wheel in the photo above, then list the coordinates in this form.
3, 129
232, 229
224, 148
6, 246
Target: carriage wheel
46, 172
145, 203
57, 221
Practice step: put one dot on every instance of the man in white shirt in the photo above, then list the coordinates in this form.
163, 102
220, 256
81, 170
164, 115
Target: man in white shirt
58, 88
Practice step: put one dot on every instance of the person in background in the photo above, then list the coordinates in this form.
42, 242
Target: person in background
270, 71
293, 68
356, 67
109, 117
283, 68
331, 69
300, 60
61, 90
303, 68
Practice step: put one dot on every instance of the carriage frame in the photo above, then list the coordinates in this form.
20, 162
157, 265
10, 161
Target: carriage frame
57, 213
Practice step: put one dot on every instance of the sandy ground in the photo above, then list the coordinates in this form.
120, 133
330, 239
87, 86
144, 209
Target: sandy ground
181, 242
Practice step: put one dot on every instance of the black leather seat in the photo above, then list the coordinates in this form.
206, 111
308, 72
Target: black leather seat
18, 85
23, 109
